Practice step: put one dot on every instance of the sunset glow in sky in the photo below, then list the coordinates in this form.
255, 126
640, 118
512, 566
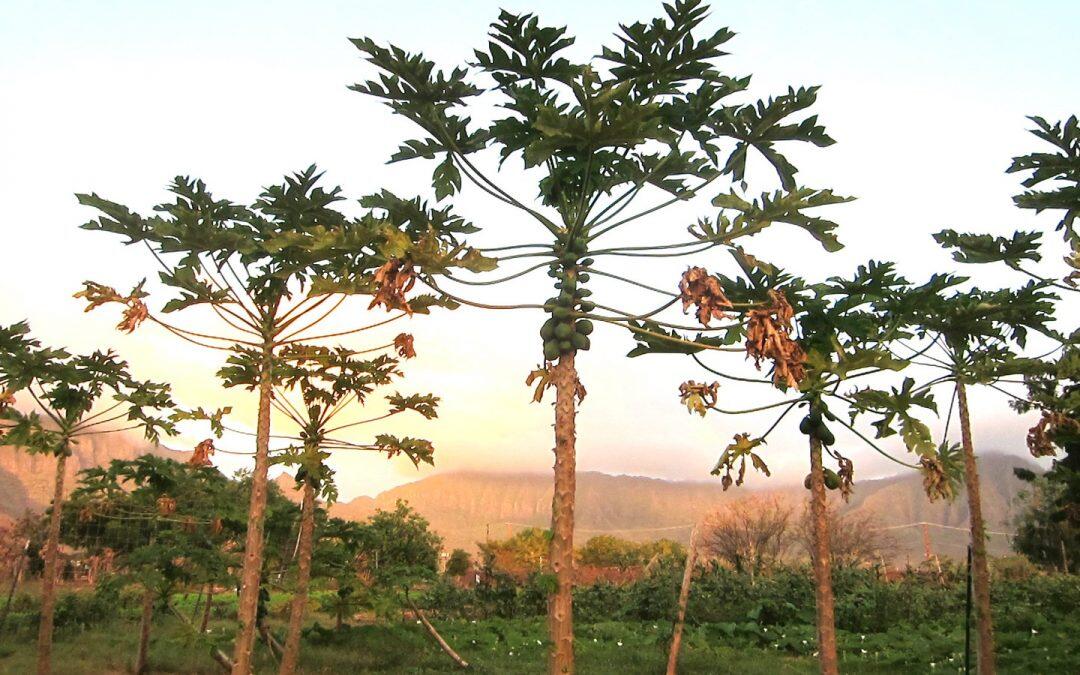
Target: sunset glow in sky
927, 102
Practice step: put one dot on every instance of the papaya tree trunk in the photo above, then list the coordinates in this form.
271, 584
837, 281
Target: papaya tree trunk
821, 559
303, 573
144, 631
247, 608
48, 581
207, 608
560, 605
684, 600
981, 571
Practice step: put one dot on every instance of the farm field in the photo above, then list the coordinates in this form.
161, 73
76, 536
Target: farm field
1036, 619
615, 338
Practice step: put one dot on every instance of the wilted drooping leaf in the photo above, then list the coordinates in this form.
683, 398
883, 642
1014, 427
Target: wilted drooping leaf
698, 288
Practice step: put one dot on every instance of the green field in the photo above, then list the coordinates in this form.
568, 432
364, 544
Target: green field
496, 645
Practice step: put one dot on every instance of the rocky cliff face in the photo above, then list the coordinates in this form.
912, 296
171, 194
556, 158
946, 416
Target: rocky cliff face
468, 507
27, 481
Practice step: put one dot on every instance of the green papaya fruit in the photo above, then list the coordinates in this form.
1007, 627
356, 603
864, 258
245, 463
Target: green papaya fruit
825, 435
584, 326
547, 331
579, 341
551, 350
806, 482
561, 312
806, 426
563, 331
832, 479
584, 276
566, 346
587, 306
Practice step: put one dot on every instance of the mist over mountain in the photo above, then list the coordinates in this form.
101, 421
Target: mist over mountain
468, 507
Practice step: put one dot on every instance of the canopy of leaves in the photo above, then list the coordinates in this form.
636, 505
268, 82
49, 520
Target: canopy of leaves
67, 387
291, 239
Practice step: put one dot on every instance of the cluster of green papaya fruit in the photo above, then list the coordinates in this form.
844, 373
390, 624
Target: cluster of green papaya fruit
561, 333
813, 425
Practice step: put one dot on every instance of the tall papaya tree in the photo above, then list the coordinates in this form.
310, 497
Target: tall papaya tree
976, 338
329, 382
271, 273
611, 142
1051, 383
816, 339
77, 396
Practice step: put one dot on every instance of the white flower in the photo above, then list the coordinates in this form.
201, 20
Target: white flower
418, 622
539, 642
804, 642
619, 643
1034, 632
863, 651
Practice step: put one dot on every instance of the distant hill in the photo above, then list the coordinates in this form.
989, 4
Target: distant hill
467, 507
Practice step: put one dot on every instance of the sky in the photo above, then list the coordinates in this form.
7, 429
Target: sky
927, 102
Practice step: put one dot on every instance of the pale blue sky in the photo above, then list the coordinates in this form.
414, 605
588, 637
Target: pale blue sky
926, 100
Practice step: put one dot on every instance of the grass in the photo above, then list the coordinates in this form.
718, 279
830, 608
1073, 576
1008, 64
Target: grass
518, 646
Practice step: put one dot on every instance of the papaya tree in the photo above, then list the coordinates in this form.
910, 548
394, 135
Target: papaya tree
975, 338
71, 396
329, 383
163, 524
1052, 387
815, 339
271, 273
611, 143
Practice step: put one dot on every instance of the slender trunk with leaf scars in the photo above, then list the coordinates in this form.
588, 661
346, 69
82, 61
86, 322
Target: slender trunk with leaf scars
560, 605
684, 600
821, 559
981, 572
303, 573
253, 546
48, 581
144, 631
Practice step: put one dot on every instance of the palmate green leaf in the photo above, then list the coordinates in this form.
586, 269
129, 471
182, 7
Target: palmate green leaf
1061, 166
656, 57
446, 179
214, 417
654, 339
411, 77
784, 207
858, 360
522, 49
985, 248
897, 406
416, 449
425, 404
759, 126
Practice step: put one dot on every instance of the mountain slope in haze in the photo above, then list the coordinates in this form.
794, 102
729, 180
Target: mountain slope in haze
466, 508
27, 481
